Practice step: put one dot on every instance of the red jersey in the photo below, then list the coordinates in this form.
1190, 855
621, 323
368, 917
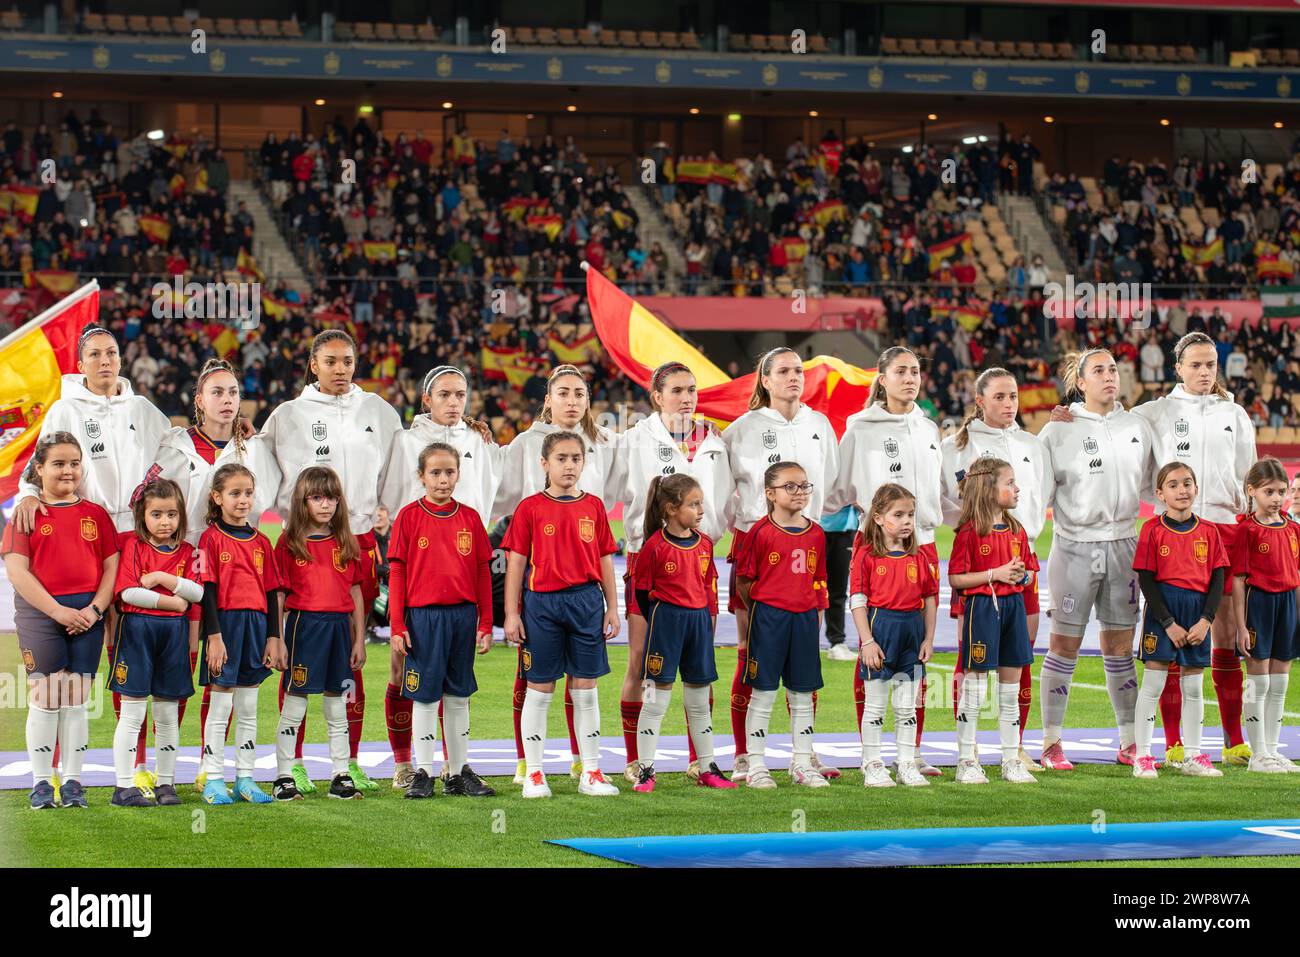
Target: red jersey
564, 539
681, 575
972, 552
438, 556
244, 569
788, 569
1268, 555
138, 559
67, 548
896, 581
207, 448
1185, 559
322, 584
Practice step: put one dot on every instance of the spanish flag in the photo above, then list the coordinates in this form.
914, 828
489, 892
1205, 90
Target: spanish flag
506, 365
246, 265
157, 228
19, 199
58, 281
1202, 255
223, 339
828, 210
275, 308
796, 248
1270, 267
694, 171
33, 358
580, 351
373, 250
942, 252
550, 224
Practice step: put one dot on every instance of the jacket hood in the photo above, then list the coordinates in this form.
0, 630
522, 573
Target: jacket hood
1078, 410
1178, 393
313, 394
878, 413
979, 425
74, 387
766, 412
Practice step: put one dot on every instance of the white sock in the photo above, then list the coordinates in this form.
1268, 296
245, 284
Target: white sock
1252, 711
292, 712
336, 726
125, 735
801, 728
1009, 719
586, 725
74, 733
166, 739
1193, 715
1054, 695
699, 723
42, 734
757, 720
220, 706
654, 705
873, 719
905, 691
1273, 708
1122, 686
1144, 711
532, 727
455, 730
245, 708
424, 734
969, 705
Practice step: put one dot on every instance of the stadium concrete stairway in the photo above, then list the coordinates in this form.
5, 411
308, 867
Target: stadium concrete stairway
1031, 234
270, 250
653, 228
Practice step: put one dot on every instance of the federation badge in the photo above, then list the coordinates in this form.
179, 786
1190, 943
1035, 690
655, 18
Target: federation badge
92, 429
1090, 445
528, 660
337, 557
1164, 551
751, 668
89, 530
769, 439
29, 661
299, 675
881, 569
978, 652
464, 541
934, 571
225, 558
665, 454
1295, 546
912, 573
812, 561
1149, 642
1015, 548
1201, 549
119, 672
704, 566
1182, 428
654, 664
318, 432
548, 529
1067, 604
985, 548
259, 560
891, 448
587, 529
47, 529
412, 681
421, 542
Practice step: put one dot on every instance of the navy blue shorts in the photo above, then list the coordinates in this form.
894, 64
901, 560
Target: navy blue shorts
441, 659
151, 657
679, 639
899, 634
244, 632
783, 649
46, 646
320, 652
1186, 607
564, 634
1271, 624
995, 638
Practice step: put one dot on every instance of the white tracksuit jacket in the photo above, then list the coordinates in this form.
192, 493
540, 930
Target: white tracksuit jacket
522, 475
480, 466
1028, 458
763, 437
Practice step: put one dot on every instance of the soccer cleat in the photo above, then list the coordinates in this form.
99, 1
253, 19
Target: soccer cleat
575, 769
909, 774
1286, 764
713, 778
808, 777
740, 768
1029, 763
201, 781
360, 780
444, 773
521, 769
301, 780
876, 775
1145, 767
72, 794
1264, 764
632, 772
247, 790
825, 770
467, 784
645, 783
535, 786
1127, 755
593, 783
130, 797
343, 788
1054, 759
214, 792
42, 796
285, 789
840, 652
760, 779
1174, 755
929, 770
693, 771
403, 775
54, 782
970, 772
166, 796
1201, 767
1014, 772
144, 780
421, 786
1238, 754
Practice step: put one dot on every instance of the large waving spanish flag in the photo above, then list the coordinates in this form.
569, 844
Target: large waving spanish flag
638, 341
33, 360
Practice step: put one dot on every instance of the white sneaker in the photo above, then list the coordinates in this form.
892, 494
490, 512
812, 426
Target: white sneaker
809, 777
1264, 764
740, 769
1201, 766
970, 772
594, 784
876, 775
760, 779
1015, 772
841, 652
910, 775
535, 786
1285, 763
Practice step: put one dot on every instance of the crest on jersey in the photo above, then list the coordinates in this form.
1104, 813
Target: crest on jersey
92, 429
670, 567
89, 530
769, 439
528, 660
752, 668
1015, 548
29, 661
225, 558
548, 529
1067, 604
773, 557
1149, 642
318, 432
881, 569
891, 448
464, 541
421, 542
912, 573
299, 675
412, 681
1295, 546
654, 664
978, 652
665, 454
704, 565
1263, 548
1164, 551
587, 529
812, 560
1201, 549
259, 560
47, 529
1090, 445
985, 548
1182, 428
119, 672
336, 555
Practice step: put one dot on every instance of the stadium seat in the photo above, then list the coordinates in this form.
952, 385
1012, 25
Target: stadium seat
160, 25
689, 41
1287, 435
889, 46
521, 35
1291, 57
758, 41
566, 36
426, 32
1059, 214
738, 43
1007, 49
648, 39
1047, 51
1129, 51
988, 48
1168, 54
385, 31
1187, 54
1210, 216
92, 22
207, 25
817, 44
227, 27
779, 42
928, 47
247, 28
290, 29
909, 47
343, 31
1273, 57
669, 40
968, 48
948, 48
608, 38
1064, 51
138, 23
1027, 50
364, 30
546, 37
115, 23
588, 38
406, 32
628, 38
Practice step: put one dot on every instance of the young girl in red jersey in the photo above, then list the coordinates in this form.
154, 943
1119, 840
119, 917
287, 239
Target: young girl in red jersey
1181, 565
676, 586
781, 574
440, 608
1266, 573
240, 628
62, 573
319, 564
151, 652
894, 599
991, 563
570, 608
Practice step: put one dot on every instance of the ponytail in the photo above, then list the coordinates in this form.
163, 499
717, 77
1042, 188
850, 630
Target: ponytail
963, 433
1071, 371
877, 394
664, 492
760, 398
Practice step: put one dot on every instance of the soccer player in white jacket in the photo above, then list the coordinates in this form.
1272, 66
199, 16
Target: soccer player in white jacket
893, 440
567, 408
777, 428
991, 430
445, 394
1102, 462
337, 424
671, 441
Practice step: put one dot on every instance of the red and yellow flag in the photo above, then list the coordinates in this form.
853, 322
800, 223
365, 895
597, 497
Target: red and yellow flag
58, 281
828, 210
1270, 267
586, 349
942, 252
550, 224
1202, 255
246, 265
157, 228
33, 358
373, 250
19, 199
